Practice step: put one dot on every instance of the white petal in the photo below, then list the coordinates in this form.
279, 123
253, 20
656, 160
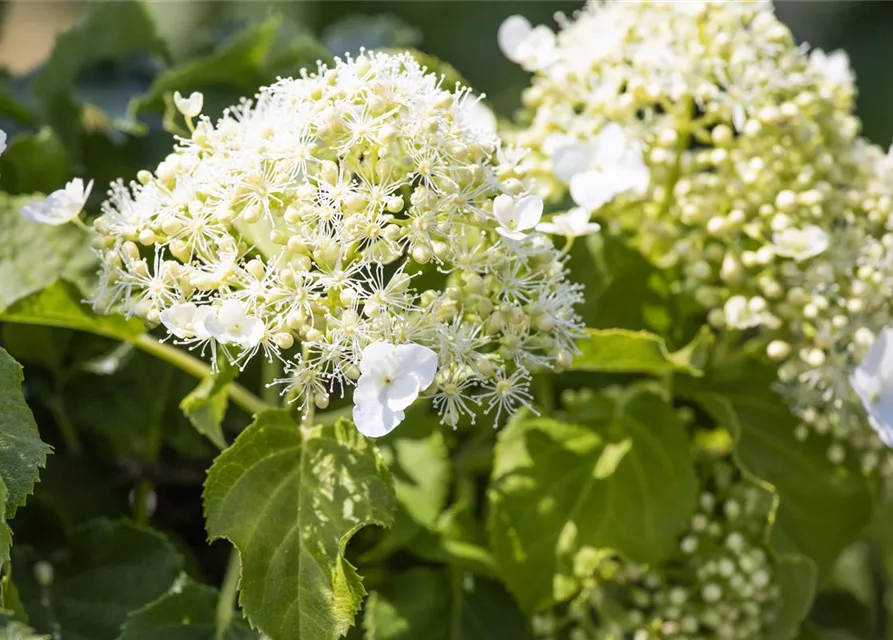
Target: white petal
231, 312
374, 419
529, 210
199, 327
179, 319
2, 141
592, 189
378, 357
631, 178
401, 392
253, 330
511, 235
610, 145
504, 210
570, 159
513, 31
549, 227
480, 116
421, 362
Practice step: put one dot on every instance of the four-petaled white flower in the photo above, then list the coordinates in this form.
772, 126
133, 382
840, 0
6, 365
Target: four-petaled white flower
61, 206
800, 244
873, 383
191, 106
609, 166
517, 216
187, 320
232, 324
391, 377
533, 48
572, 224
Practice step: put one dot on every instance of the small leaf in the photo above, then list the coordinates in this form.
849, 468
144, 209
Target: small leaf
21, 451
108, 570
621, 479
289, 499
205, 406
58, 305
429, 603
34, 163
187, 612
34, 256
625, 351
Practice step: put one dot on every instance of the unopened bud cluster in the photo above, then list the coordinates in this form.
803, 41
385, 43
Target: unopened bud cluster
719, 585
763, 199
345, 207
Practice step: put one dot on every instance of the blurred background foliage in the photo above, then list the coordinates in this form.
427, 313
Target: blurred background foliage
462, 32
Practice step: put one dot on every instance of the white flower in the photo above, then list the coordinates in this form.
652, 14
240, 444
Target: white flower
391, 377
191, 106
741, 313
873, 383
2, 141
480, 116
232, 324
61, 206
532, 48
572, 224
516, 216
187, 320
612, 164
800, 244
834, 66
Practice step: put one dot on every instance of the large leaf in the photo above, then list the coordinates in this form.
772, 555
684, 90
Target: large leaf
622, 478
431, 604
625, 351
34, 256
108, 570
797, 577
34, 163
823, 505
187, 612
21, 451
289, 499
109, 31
5, 532
59, 305
205, 406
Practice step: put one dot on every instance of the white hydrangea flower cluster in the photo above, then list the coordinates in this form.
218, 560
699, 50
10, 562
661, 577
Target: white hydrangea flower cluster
759, 193
340, 217
721, 584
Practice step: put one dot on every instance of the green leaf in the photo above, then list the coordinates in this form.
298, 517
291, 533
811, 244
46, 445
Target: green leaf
428, 603
108, 31
622, 479
797, 577
187, 612
34, 256
289, 499
34, 163
625, 351
58, 305
356, 32
205, 406
21, 451
11, 629
108, 570
823, 506
5, 531
10, 601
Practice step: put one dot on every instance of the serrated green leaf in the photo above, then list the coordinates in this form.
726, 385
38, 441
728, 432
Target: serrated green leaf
187, 612
108, 570
21, 451
205, 406
108, 31
623, 479
5, 531
11, 629
431, 604
289, 499
34, 256
625, 351
59, 305
823, 505
34, 162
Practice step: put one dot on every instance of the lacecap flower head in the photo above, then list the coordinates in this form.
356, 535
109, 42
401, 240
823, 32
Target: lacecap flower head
730, 155
361, 222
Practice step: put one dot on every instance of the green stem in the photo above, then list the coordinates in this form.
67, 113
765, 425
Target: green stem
66, 426
270, 371
229, 591
195, 367
141, 502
